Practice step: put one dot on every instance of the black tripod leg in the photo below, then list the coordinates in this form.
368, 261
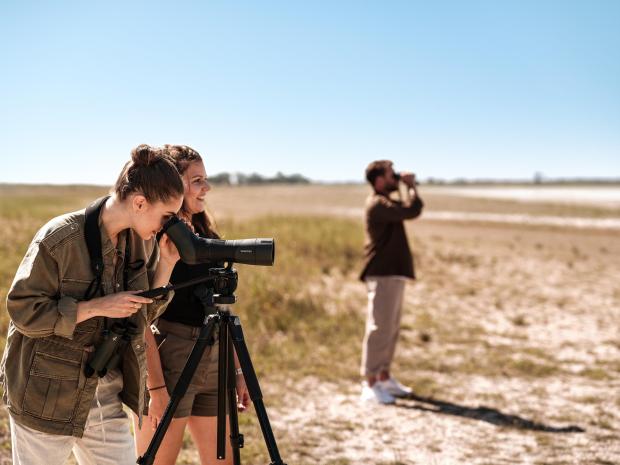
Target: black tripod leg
222, 378
254, 389
236, 439
206, 335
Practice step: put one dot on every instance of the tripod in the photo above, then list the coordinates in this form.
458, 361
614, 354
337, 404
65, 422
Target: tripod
230, 335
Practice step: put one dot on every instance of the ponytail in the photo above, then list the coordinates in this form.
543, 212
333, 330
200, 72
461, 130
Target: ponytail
152, 173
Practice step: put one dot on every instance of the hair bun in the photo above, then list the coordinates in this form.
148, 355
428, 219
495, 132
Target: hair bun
145, 155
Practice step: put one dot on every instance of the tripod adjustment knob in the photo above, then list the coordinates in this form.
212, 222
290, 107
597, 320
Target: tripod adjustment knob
238, 440
225, 299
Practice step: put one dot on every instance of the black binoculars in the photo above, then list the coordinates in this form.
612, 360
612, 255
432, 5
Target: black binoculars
398, 177
110, 350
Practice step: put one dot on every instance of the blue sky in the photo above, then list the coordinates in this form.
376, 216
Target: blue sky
447, 89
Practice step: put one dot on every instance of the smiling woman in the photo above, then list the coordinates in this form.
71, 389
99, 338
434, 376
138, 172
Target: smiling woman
57, 320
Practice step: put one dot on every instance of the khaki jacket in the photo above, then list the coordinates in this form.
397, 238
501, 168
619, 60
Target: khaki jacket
42, 370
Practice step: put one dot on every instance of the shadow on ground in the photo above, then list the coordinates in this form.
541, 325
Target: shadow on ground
482, 413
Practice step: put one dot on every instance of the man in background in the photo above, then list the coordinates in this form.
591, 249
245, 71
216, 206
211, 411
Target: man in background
388, 266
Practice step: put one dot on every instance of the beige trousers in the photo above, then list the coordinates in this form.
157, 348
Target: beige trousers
107, 439
385, 298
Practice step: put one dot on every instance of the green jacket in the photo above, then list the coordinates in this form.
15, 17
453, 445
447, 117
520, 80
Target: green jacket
42, 370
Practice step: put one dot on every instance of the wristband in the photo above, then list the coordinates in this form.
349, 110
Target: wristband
155, 388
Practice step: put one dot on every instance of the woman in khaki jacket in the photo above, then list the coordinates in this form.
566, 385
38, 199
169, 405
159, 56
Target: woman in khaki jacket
55, 408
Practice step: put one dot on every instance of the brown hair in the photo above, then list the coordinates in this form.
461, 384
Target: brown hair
183, 156
151, 173
375, 169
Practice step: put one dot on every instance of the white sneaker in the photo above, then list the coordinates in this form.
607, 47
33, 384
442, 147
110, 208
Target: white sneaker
376, 393
394, 388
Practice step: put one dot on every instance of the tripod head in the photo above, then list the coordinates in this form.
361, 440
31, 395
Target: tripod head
218, 287
222, 281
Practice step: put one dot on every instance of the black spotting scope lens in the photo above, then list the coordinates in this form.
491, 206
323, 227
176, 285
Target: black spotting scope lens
194, 249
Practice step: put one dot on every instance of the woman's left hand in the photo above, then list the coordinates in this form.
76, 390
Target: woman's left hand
157, 405
168, 251
243, 396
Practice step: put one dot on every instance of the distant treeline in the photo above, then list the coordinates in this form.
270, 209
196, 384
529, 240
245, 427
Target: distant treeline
255, 178
280, 178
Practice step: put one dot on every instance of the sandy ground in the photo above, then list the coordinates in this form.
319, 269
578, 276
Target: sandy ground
608, 197
512, 337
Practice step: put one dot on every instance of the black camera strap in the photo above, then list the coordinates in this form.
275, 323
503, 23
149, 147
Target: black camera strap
92, 234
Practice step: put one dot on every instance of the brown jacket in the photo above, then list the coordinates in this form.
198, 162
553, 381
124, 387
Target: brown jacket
42, 369
386, 249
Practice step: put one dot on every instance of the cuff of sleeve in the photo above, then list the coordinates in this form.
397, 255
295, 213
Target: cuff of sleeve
158, 306
65, 324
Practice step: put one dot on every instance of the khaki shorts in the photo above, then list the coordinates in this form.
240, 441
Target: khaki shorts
175, 342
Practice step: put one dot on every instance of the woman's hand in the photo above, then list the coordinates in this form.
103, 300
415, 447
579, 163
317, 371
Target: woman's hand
168, 257
243, 396
157, 405
119, 305
168, 253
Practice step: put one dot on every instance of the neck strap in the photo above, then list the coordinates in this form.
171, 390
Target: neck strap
92, 234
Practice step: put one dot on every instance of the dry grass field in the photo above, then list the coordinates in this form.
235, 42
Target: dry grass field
510, 336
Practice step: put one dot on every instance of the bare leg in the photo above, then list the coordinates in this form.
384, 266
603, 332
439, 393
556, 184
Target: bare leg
170, 446
204, 432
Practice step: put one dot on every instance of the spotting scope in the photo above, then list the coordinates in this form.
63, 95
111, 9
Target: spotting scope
194, 249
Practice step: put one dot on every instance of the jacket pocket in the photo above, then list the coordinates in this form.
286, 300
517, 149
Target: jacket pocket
52, 391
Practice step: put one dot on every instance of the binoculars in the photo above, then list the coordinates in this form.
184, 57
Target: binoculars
109, 352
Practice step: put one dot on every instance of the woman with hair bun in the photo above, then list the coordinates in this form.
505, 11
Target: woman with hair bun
62, 308
178, 328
